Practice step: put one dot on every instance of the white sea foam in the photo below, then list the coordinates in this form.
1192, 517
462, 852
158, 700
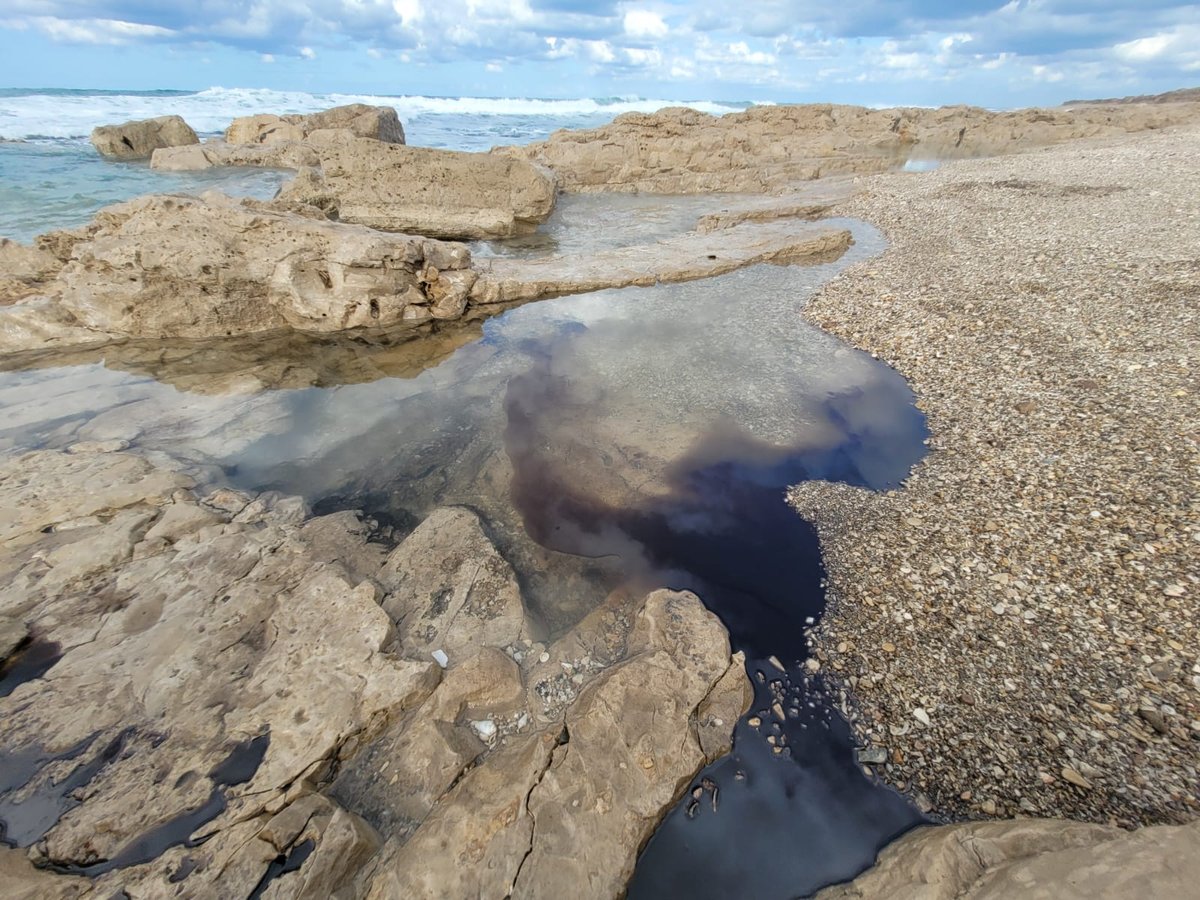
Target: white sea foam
57, 114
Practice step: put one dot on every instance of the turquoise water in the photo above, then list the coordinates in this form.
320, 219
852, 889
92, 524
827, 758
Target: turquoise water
54, 179
61, 184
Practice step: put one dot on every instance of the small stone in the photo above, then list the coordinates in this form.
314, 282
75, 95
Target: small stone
872, 756
1075, 778
889, 647
774, 660
1174, 590
754, 721
812, 665
440, 657
988, 807
1025, 407
545, 657
485, 728
921, 716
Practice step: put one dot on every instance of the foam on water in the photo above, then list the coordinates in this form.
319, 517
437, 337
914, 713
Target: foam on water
73, 114
57, 180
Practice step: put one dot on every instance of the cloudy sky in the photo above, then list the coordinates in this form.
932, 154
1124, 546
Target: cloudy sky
863, 51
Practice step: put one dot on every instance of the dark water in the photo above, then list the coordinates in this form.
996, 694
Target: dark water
31, 659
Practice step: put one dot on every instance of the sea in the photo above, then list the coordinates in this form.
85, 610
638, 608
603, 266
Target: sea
51, 177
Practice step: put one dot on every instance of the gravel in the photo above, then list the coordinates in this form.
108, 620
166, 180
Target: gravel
1019, 625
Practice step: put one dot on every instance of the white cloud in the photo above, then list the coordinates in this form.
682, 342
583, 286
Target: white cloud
1178, 47
267, 58
308, 52
409, 11
643, 23
494, 67
92, 31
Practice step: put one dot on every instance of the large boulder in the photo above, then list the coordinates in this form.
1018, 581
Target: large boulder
440, 193
197, 157
140, 138
378, 122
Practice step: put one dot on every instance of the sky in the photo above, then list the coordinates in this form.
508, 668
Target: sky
908, 52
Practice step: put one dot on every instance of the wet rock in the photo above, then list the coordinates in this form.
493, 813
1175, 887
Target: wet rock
1032, 858
440, 193
685, 258
138, 139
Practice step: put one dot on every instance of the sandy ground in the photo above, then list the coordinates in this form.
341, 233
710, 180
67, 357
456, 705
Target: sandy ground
1020, 624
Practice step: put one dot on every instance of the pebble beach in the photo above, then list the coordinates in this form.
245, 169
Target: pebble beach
1017, 627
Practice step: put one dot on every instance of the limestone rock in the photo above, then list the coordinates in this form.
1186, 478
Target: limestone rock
1033, 858
564, 811
165, 266
377, 122
766, 148
197, 157
449, 589
685, 258
138, 139
24, 271
218, 696
440, 193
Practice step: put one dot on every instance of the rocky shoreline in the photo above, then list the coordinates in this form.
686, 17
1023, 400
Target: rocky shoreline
1014, 629
1018, 624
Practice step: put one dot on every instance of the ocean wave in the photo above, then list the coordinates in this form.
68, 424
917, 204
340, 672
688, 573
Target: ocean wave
73, 114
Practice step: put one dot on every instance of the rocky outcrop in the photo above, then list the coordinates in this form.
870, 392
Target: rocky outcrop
166, 266
234, 741
1032, 858
283, 142
139, 139
174, 267
379, 123
682, 151
440, 193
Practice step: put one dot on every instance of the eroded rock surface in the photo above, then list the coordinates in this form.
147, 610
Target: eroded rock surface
1039, 859
681, 151
255, 679
167, 266
138, 139
440, 193
211, 267
377, 122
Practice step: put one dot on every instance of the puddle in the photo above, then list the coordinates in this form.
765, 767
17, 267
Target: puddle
632, 438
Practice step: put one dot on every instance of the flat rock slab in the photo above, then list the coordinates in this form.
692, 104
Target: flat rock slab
688, 257
439, 193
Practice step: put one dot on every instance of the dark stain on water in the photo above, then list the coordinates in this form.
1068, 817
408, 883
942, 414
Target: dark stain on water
237, 768
31, 659
788, 811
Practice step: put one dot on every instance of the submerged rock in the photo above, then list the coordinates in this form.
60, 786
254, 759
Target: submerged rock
1032, 858
440, 193
138, 139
